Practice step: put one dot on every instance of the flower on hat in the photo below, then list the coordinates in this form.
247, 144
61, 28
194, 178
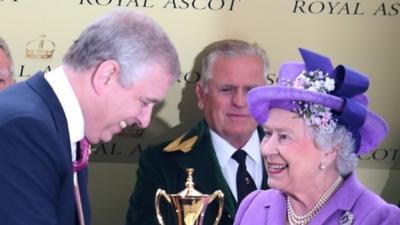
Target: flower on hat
323, 101
316, 116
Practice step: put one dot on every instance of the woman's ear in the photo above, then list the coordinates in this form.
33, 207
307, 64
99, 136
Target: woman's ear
103, 74
330, 155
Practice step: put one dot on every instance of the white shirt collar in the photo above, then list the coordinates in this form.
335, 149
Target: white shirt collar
229, 166
69, 102
224, 150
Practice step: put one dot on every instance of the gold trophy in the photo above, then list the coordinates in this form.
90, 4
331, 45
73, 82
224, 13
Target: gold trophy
190, 205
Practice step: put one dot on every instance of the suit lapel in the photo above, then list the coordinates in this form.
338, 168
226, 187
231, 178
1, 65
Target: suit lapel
39, 84
44, 90
207, 174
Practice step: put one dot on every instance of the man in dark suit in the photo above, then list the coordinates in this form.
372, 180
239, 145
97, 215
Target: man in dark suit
229, 69
111, 77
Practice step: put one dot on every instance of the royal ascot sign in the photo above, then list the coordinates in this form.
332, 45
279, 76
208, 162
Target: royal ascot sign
213, 5
381, 158
351, 8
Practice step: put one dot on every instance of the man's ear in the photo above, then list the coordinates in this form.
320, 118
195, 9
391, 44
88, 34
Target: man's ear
200, 96
103, 74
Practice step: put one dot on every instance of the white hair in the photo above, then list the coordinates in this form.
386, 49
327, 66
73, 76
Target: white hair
343, 141
131, 38
227, 48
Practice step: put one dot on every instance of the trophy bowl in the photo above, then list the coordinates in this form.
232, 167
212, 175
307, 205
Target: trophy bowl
190, 205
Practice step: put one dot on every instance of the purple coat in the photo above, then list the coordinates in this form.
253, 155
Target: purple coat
269, 207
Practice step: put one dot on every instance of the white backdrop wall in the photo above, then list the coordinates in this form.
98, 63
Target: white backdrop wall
362, 34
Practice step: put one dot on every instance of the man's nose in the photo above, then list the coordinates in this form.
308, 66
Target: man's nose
239, 98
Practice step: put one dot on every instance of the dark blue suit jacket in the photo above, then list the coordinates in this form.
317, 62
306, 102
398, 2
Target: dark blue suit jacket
36, 179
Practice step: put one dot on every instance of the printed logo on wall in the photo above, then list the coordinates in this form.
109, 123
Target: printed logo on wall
351, 8
213, 5
381, 158
37, 49
127, 146
41, 48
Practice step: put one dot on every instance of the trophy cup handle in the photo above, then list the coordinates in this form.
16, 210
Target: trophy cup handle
220, 196
160, 193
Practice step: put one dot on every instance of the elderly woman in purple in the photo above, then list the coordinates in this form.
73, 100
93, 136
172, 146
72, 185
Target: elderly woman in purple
316, 123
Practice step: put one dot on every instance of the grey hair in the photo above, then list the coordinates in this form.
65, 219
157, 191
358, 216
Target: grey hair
131, 38
342, 139
6, 50
227, 48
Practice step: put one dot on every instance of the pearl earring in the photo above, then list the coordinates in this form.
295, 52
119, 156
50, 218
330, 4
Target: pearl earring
322, 166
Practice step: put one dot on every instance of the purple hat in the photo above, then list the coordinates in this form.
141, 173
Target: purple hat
324, 96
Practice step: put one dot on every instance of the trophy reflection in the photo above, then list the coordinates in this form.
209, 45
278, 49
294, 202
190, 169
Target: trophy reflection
189, 204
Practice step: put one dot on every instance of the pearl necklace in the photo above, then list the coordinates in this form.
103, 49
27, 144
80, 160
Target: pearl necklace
305, 219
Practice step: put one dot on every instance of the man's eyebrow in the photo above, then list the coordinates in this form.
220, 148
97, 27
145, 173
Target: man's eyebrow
226, 85
239, 86
252, 86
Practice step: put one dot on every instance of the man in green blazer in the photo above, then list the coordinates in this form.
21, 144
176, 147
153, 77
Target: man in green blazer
229, 68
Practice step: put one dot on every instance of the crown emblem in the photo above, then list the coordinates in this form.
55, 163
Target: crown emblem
40, 48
